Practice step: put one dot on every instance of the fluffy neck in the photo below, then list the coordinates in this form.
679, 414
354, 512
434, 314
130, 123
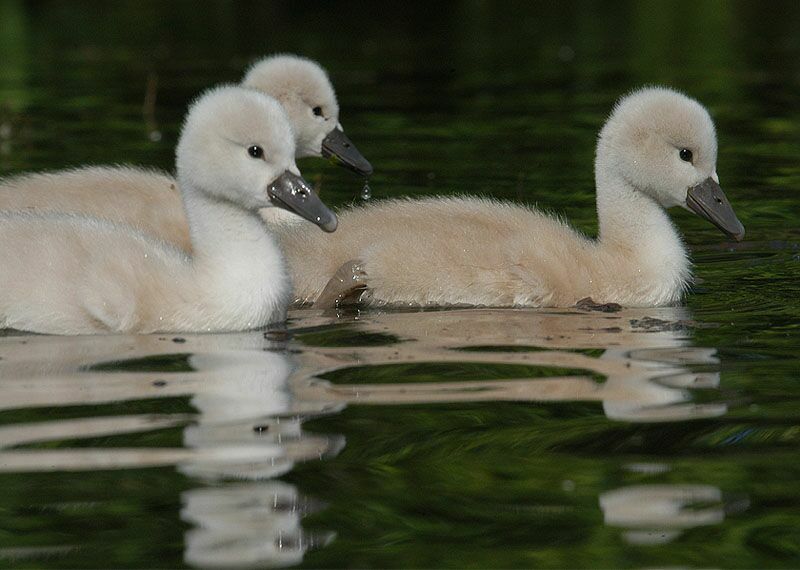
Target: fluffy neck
639, 242
235, 258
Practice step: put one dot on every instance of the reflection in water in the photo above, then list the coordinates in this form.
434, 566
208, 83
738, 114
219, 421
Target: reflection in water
656, 514
252, 392
247, 525
645, 369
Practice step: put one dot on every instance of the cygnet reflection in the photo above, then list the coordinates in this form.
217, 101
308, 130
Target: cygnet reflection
658, 514
646, 358
248, 525
251, 393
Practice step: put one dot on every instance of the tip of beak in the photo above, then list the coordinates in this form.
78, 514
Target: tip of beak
330, 224
738, 233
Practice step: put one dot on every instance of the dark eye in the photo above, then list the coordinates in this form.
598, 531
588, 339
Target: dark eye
255, 151
686, 155
317, 111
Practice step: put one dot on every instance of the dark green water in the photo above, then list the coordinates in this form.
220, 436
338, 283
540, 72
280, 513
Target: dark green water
563, 439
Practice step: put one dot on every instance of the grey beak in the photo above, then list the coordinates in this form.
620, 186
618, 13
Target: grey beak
290, 192
708, 201
338, 146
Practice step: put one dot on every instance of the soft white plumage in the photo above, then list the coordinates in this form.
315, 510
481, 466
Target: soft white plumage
150, 200
300, 85
453, 251
70, 273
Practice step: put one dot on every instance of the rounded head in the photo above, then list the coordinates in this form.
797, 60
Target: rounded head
306, 93
237, 146
661, 142
218, 151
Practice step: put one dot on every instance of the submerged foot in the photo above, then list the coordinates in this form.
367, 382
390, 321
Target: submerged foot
588, 304
346, 287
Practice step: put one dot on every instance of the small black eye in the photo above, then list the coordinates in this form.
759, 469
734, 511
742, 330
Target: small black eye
686, 155
255, 151
317, 111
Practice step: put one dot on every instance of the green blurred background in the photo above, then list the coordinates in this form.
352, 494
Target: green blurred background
497, 97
